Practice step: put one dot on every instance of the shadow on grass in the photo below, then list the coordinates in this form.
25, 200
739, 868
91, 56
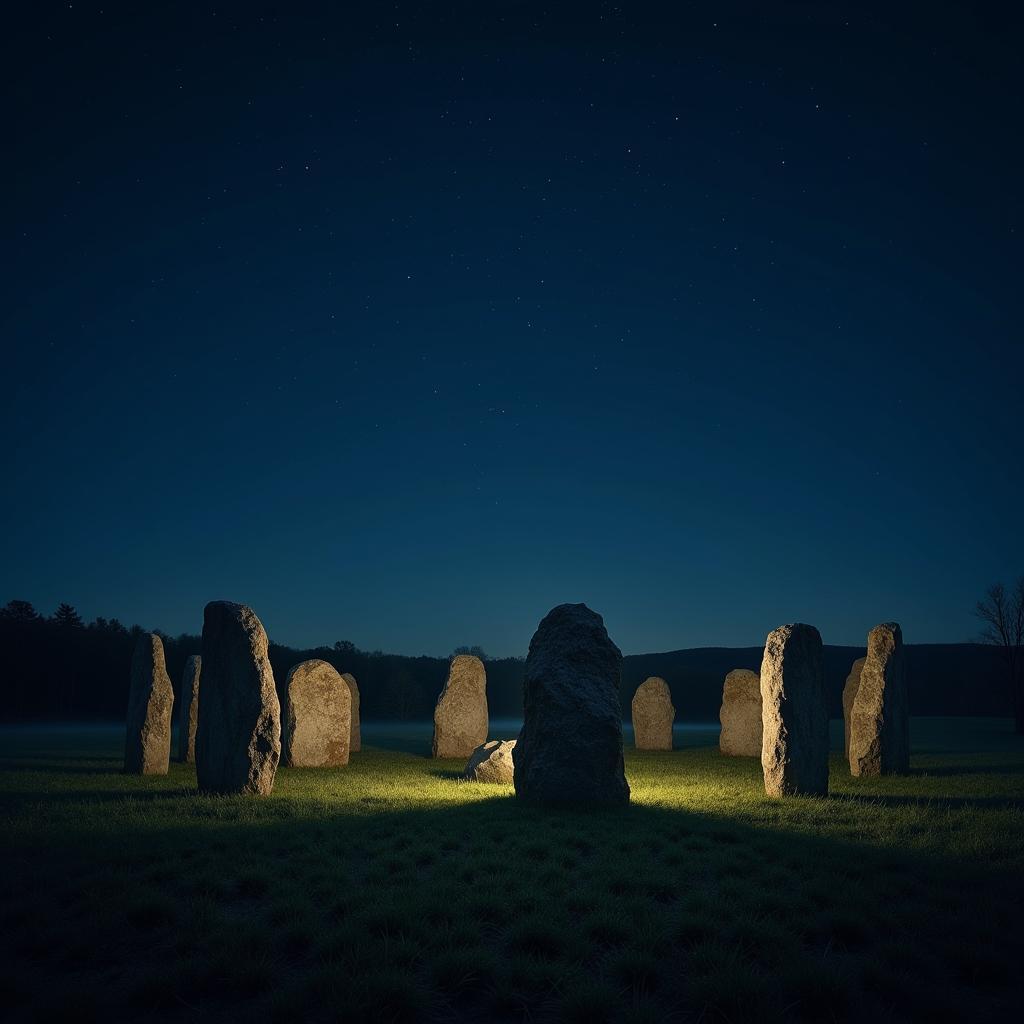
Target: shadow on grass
951, 771
93, 766
501, 910
12, 801
884, 800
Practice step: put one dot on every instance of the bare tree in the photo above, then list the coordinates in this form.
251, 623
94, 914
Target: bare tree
1002, 615
475, 650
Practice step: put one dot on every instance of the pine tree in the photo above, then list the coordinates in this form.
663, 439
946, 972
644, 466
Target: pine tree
19, 611
66, 617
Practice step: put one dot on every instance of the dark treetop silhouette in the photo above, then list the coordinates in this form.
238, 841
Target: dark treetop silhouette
52, 670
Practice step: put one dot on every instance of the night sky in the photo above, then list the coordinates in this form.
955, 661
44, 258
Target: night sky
405, 322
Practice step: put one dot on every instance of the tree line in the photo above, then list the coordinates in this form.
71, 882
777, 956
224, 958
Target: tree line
59, 668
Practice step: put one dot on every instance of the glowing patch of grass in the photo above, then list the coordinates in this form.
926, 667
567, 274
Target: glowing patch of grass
387, 889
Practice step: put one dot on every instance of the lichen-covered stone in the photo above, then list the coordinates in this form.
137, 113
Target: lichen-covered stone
188, 709
238, 738
570, 746
794, 713
460, 718
491, 762
355, 743
849, 694
318, 717
147, 747
740, 714
879, 722
653, 715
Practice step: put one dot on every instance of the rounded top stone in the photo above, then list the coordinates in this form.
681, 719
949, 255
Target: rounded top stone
219, 613
459, 663
794, 636
311, 668
741, 684
576, 623
229, 609
149, 647
796, 629
885, 636
652, 689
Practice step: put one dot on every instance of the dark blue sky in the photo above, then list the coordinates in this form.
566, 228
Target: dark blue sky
405, 325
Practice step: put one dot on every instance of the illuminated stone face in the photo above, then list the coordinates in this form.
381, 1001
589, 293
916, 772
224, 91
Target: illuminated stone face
355, 742
460, 718
849, 695
238, 736
653, 715
879, 722
570, 746
318, 717
147, 748
794, 713
740, 714
491, 762
188, 716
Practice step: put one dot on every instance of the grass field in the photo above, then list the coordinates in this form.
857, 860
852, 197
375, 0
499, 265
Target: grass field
390, 891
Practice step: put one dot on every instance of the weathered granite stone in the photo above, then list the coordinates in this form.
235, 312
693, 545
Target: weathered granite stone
460, 718
491, 762
318, 717
355, 743
879, 722
147, 747
188, 709
794, 713
740, 714
238, 738
653, 715
849, 693
570, 746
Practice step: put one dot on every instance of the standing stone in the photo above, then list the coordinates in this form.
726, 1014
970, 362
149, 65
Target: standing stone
849, 693
740, 714
880, 723
491, 762
147, 747
318, 717
570, 746
460, 718
653, 715
188, 709
238, 738
355, 743
794, 713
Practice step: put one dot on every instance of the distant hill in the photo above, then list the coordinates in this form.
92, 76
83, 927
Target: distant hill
944, 679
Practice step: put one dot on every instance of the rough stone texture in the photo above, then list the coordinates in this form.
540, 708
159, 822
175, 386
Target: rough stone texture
879, 722
318, 717
794, 713
460, 718
740, 714
491, 762
570, 746
188, 709
849, 693
147, 745
238, 739
653, 715
355, 743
